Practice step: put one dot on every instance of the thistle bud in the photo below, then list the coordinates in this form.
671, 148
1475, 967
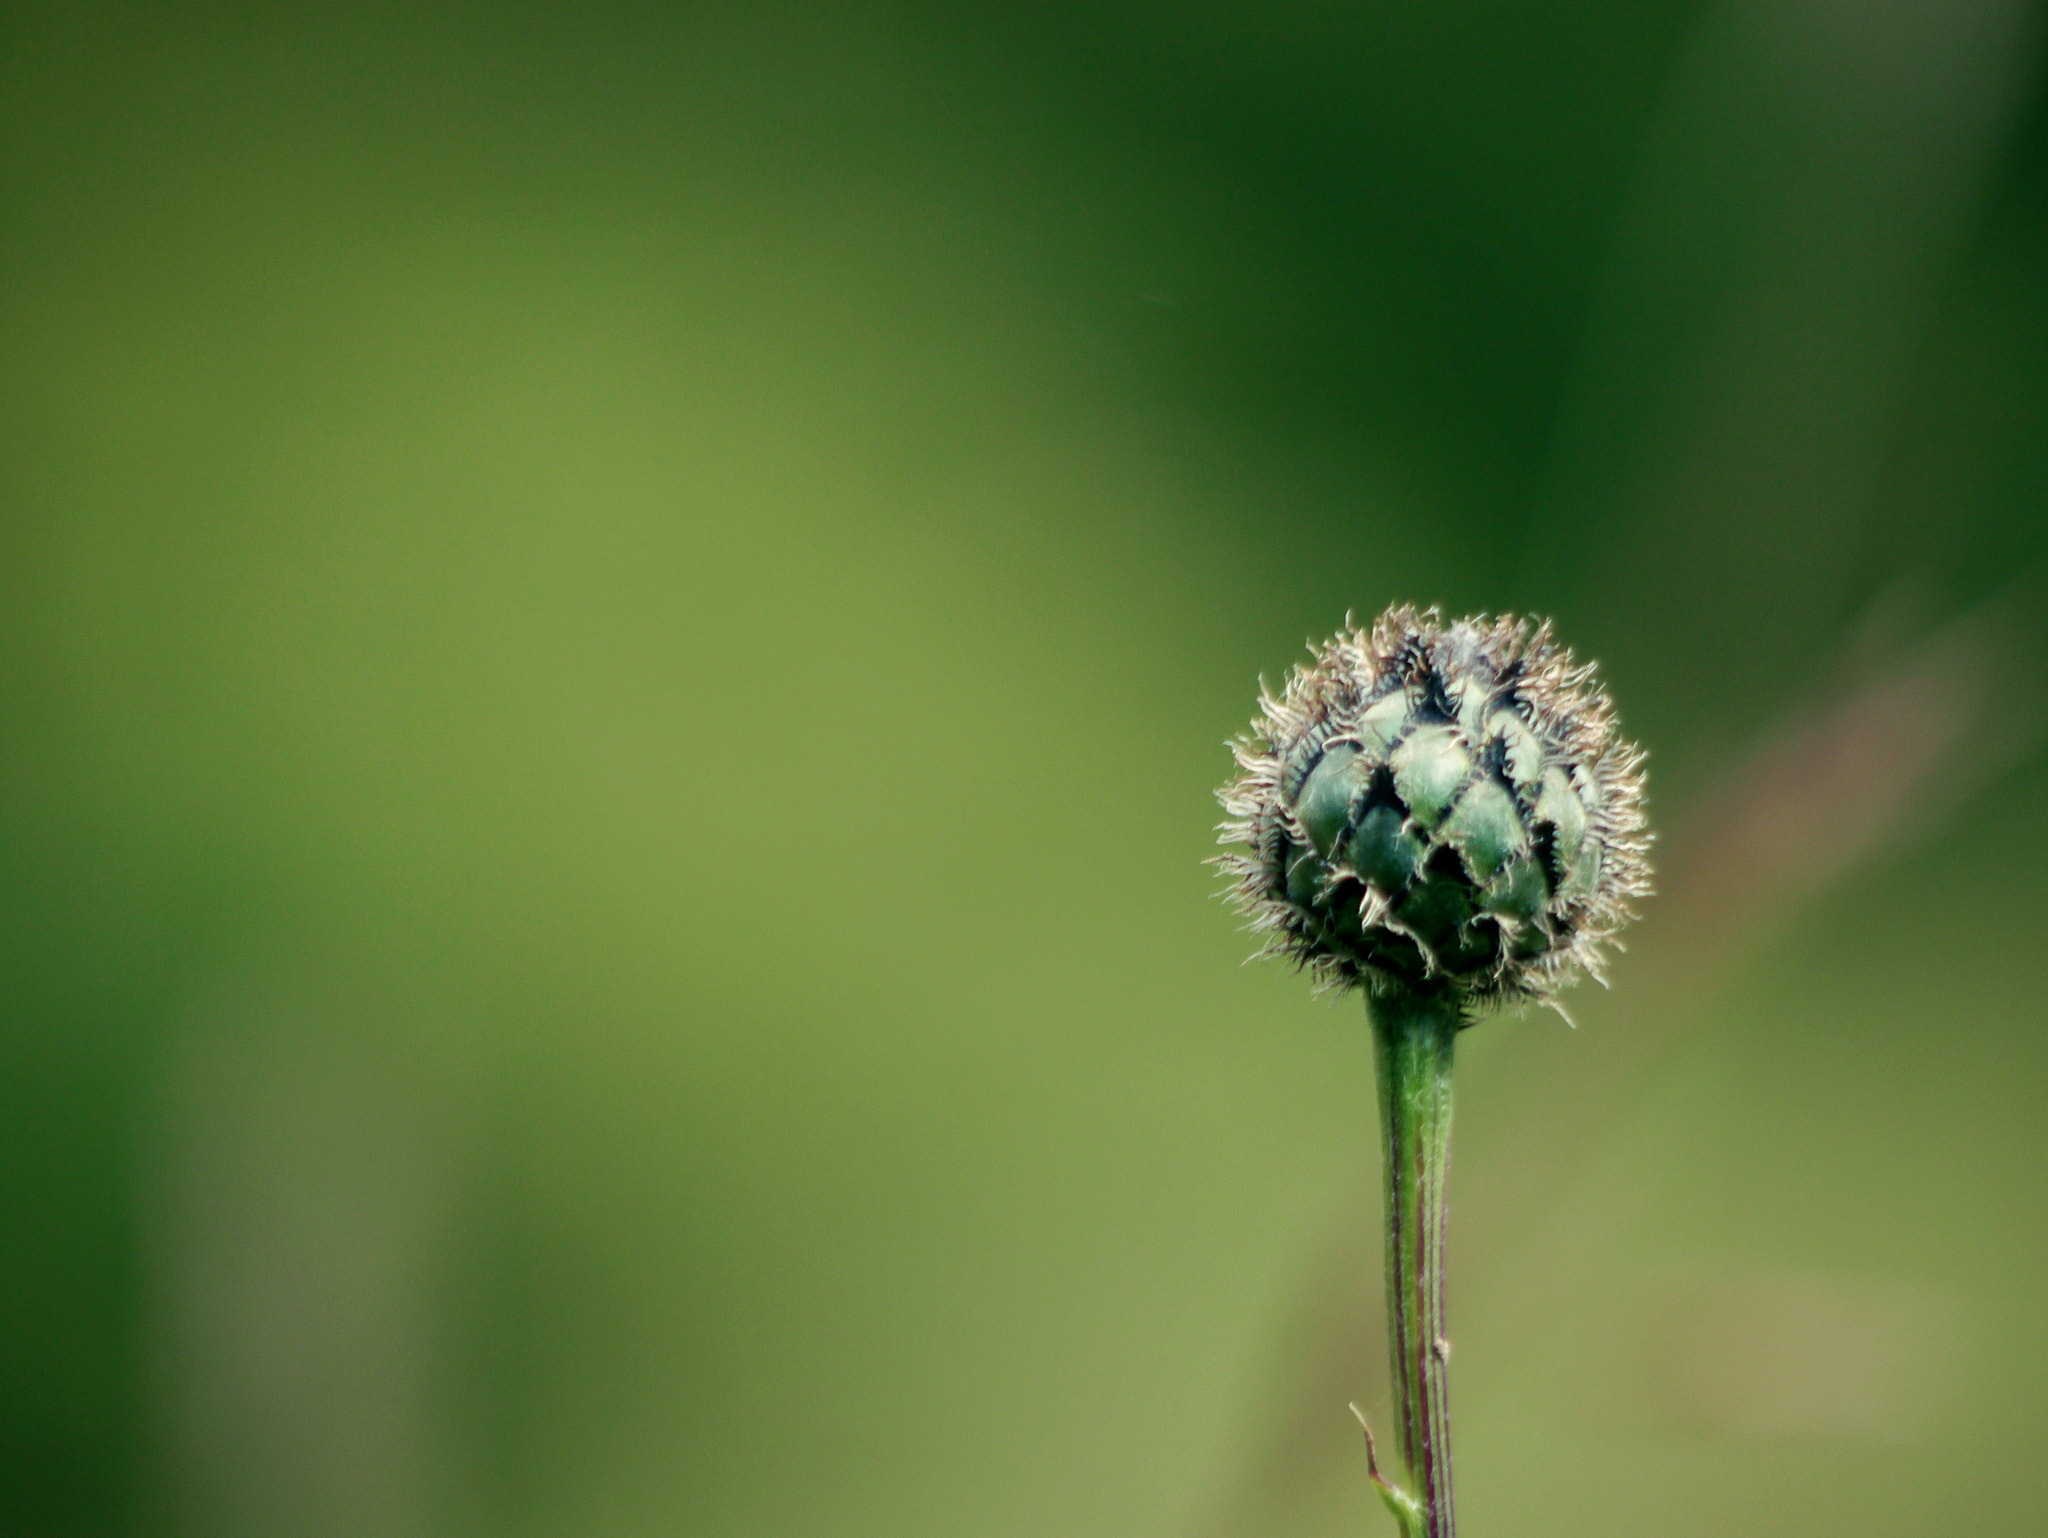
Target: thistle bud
1439, 807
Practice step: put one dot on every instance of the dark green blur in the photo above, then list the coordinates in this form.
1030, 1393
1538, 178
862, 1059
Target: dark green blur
615, 634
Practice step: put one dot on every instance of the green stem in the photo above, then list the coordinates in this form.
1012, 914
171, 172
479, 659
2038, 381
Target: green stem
1413, 1035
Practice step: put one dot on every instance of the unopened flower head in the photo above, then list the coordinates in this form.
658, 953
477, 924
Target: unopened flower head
1439, 806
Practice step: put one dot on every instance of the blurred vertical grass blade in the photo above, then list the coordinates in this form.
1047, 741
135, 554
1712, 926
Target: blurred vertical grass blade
1814, 173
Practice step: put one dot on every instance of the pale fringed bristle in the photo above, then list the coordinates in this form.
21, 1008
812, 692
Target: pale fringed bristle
1435, 806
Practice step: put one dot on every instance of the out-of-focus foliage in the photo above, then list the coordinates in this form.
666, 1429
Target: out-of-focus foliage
615, 630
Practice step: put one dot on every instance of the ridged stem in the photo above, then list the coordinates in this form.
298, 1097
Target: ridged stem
1413, 1035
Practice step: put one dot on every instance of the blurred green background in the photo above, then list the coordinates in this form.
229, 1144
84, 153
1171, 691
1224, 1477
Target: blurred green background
615, 632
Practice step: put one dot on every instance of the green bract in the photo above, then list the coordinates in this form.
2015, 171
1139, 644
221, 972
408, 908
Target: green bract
1439, 807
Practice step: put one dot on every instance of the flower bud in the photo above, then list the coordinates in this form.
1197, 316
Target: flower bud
1434, 806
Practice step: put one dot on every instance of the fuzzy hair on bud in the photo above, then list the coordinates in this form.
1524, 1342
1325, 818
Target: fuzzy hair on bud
1432, 806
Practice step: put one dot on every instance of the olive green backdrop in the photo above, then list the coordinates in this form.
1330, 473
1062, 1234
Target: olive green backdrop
615, 632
